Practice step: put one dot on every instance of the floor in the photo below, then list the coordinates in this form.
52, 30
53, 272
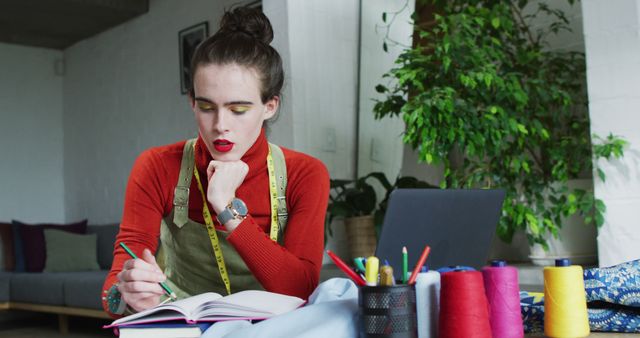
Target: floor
20, 324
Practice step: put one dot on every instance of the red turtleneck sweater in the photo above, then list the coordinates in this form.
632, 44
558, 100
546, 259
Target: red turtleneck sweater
292, 269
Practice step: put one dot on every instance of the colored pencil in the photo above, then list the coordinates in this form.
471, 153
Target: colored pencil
359, 265
405, 264
419, 264
346, 269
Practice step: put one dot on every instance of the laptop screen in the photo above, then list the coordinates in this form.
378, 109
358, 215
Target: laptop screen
458, 225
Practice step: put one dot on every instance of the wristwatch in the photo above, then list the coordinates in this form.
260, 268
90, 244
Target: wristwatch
114, 300
236, 209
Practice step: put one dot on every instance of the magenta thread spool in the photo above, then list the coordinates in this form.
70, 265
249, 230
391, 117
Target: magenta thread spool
503, 293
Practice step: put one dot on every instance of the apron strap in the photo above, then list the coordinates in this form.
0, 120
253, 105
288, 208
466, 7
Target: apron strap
280, 169
181, 192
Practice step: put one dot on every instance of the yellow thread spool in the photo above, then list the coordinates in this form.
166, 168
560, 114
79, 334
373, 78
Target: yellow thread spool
565, 304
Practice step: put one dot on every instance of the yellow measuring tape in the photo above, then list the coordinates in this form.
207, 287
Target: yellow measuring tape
273, 194
213, 236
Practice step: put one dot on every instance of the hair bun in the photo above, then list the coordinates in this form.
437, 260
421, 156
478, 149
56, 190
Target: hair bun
249, 21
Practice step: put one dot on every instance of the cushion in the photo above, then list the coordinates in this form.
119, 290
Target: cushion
62, 257
18, 250
106, 240
33, 241
6, 238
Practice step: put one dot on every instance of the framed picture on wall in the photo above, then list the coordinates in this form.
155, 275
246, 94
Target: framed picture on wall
189, 39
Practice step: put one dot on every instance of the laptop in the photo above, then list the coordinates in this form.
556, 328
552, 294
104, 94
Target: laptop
458, 225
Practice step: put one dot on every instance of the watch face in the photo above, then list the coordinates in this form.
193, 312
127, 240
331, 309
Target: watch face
239, 206
113, 300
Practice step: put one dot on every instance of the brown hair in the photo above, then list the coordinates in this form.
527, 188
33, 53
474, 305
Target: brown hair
243, 38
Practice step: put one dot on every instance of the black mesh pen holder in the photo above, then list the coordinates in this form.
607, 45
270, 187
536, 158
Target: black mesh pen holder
388, 311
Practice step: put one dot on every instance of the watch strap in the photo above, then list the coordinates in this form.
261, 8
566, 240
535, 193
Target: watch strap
114, 300
225, 215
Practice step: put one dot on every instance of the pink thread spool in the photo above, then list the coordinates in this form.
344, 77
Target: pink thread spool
503, 293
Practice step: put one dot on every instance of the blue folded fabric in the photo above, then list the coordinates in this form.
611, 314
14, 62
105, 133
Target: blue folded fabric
614, 320
532, 309
619, 284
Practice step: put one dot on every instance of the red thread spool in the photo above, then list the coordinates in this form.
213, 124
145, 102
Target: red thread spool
464, 310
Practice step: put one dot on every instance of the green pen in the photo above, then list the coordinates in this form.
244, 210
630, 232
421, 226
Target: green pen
166, 288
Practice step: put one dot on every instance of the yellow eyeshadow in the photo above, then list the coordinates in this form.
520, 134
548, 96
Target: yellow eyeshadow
205, 106
240, 109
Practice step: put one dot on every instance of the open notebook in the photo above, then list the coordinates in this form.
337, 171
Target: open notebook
208, 307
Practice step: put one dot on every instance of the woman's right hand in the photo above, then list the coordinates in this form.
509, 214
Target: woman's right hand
138, 282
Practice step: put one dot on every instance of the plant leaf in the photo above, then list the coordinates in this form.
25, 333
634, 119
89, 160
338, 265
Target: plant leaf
495, 22
601, 174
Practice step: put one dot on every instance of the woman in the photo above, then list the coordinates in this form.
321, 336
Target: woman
237, 79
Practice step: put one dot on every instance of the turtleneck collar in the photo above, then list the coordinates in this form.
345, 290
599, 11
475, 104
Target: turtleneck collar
255, 157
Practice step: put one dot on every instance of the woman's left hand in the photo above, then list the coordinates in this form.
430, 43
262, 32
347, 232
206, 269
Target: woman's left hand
224, 178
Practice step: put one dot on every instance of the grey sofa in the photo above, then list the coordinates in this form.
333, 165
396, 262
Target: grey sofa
63, 293
74, 293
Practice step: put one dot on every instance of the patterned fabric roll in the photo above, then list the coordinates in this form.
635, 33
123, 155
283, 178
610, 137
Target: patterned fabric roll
619, 284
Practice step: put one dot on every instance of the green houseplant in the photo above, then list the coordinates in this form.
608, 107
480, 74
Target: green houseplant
481, 94
357, 202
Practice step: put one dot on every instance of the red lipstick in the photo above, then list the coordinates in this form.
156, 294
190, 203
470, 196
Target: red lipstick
223, 145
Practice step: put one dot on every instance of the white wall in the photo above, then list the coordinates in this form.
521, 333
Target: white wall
31, 137
121, 96
380, 141
318, 40
281, 132
612, 35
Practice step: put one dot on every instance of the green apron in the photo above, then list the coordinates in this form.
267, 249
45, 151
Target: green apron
185, 253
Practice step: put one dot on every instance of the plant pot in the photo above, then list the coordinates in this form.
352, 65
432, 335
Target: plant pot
361, 235
576, 240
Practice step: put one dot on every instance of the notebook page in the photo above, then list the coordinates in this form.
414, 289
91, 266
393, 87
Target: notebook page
187, 307
253, 303
158, 316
